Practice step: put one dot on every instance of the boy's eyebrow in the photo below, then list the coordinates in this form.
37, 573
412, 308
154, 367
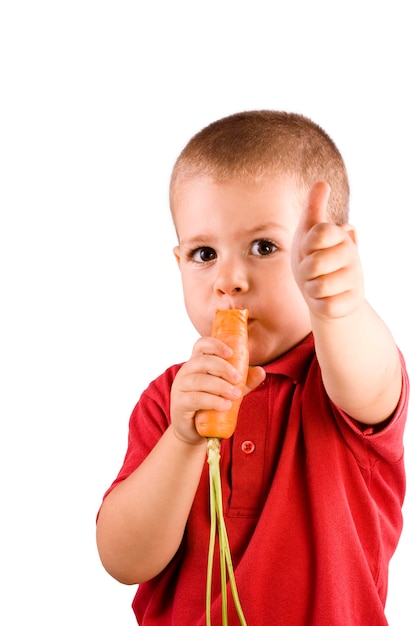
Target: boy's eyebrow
261, 228
264, 227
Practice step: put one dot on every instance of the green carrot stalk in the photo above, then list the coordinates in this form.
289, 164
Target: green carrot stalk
218, 523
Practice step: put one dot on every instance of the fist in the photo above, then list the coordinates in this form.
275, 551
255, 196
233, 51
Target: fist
325, 260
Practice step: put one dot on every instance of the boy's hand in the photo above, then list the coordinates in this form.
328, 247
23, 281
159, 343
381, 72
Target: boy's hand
206, 381
325, 260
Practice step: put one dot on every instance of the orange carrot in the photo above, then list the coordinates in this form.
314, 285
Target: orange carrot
231, 326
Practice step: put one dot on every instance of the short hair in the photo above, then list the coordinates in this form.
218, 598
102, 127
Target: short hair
256, 145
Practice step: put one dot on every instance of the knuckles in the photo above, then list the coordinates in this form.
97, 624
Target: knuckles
324, 235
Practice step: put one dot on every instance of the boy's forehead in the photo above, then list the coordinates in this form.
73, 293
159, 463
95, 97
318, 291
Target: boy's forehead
273, 200
187, 186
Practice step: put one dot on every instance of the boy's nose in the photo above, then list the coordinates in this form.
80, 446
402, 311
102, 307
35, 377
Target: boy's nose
231, 279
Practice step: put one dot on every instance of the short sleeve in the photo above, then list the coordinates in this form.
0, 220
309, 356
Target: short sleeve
148, 421
386, 442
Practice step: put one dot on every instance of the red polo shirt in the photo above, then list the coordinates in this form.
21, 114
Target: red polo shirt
312, 504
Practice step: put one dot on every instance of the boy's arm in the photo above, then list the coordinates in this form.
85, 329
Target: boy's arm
358, 357
142, 520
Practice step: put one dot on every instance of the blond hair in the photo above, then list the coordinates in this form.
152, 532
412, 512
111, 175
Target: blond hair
259, 144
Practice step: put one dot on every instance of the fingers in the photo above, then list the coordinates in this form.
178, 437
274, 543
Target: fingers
312, 227
256, 376
325, 259
210, 357
315, 211
207, 380
211, 346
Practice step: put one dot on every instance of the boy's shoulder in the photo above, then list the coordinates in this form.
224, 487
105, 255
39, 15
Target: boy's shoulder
161, 385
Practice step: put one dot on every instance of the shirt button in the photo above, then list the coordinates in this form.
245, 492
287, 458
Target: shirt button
247, 447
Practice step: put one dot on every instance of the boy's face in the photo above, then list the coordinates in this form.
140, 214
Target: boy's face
235, 252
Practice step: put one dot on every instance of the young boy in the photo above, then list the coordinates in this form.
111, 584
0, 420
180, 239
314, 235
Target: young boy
313, 477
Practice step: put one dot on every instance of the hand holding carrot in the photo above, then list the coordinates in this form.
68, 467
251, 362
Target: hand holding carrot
230, 326
325, 260
208, 381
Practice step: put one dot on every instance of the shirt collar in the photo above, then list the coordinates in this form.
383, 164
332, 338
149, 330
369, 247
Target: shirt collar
292, 364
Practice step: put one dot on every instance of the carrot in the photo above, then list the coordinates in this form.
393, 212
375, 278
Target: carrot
231, 327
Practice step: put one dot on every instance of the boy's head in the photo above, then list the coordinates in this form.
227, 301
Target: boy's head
238, 190
259, 145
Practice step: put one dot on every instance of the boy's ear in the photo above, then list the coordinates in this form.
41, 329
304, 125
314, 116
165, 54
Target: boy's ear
176, 252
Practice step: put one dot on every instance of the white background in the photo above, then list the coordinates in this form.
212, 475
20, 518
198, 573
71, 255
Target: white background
97, 99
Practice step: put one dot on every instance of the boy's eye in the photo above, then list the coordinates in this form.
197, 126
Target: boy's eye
263, 247
202, 255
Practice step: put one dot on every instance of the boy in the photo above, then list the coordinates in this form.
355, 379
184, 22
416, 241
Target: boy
313, 477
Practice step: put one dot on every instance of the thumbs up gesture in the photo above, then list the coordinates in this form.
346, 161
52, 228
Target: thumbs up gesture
325, 260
